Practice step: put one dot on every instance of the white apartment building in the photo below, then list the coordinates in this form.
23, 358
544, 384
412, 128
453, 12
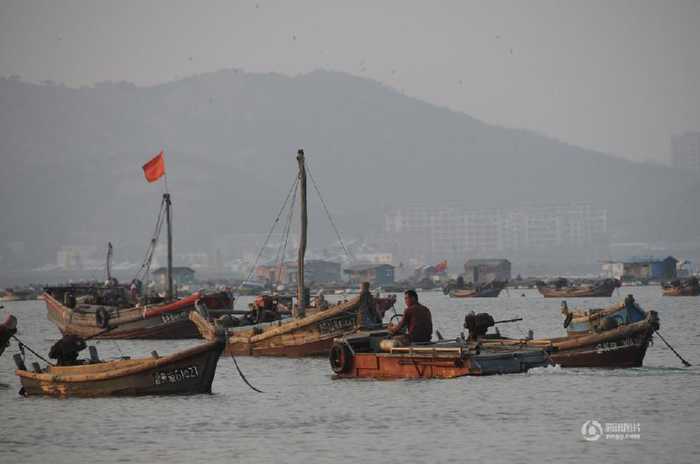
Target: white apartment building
454, 231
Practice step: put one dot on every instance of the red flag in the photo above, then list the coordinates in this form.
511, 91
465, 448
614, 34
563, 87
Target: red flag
441, 266
154, 169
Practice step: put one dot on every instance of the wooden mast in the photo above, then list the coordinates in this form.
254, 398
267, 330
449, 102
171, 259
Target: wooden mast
109, 262
166, 199
300, 309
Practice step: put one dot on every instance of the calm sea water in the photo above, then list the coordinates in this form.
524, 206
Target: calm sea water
306, 416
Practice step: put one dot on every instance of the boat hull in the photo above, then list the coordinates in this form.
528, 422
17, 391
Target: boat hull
311, 335
439, 365
624, 346
469, 293
577, 292
681, 291
169, 321
187, 372
7, 329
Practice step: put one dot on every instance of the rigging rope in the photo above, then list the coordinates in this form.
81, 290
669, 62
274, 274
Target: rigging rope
267, 239
282, 251
325, 208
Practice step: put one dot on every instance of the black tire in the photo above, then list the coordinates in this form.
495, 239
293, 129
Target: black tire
340, 358
102, 318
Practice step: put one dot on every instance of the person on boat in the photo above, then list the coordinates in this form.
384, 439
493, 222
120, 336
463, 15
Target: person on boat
368, 316
66, 350
416, 319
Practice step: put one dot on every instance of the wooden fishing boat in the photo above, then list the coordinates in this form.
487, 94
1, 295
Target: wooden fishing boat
617, 336
459, 289
158, 321
18, 294
310, 335
374, 355
7, 329
562, 288
111, 311
186, 372
310, 330
689, 287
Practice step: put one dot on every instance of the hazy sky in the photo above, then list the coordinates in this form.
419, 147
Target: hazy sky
617, 76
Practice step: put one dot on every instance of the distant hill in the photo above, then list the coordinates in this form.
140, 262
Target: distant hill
71, 161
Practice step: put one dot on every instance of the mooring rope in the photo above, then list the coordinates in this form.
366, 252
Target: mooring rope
235, 363
24, 345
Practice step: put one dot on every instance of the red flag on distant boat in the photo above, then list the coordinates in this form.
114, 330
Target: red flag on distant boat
154, 169
441, 266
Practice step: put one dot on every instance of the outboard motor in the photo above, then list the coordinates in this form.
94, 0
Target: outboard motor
65, 351
477, 324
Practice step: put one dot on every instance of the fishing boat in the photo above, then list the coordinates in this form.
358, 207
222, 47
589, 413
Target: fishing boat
617, 336
7, 329
186, 372
114, 311
311, 329
18, 294
488, 290
563, 288
375, 355
688, 287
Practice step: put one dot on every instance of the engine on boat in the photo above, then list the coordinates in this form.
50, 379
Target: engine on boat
478, 324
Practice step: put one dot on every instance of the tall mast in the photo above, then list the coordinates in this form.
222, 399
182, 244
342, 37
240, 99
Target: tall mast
300, 308
109, 262
166, 199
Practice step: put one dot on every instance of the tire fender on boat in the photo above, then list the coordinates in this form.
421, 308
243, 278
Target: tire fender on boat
340, 358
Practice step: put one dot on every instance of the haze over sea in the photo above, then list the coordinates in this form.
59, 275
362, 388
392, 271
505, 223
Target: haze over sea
306, 416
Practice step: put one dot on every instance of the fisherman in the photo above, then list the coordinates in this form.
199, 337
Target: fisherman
66, 350
416, 319
368, 317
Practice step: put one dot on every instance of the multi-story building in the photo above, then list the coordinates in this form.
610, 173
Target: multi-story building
685, 151
451, 231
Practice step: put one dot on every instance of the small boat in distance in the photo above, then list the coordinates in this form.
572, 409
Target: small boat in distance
488, 290
564, 288
687, 287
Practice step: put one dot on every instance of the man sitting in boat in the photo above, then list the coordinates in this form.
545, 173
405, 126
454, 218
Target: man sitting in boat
66, 350
416, 319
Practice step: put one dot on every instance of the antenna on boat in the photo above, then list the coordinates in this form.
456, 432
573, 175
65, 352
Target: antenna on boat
300, 309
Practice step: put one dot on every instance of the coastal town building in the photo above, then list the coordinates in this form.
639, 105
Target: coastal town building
685, 151
181, 276
642, 268
483, 271
451, 231
375, 274
316, 271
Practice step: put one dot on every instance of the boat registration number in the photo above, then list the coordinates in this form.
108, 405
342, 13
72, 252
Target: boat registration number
175, 375
617, 344
337, 324
172, 317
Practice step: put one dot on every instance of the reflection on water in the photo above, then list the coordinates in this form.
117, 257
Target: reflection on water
306, 416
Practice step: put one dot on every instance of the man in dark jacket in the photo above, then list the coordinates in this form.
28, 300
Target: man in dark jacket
416, 319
